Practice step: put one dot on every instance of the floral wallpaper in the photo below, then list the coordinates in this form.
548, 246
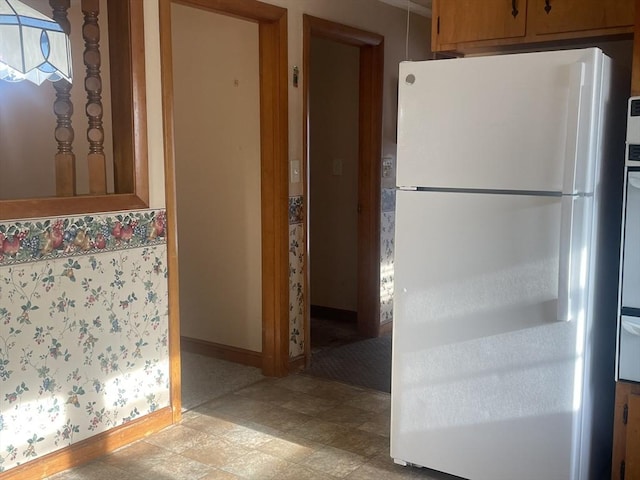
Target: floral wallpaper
296, 277
296, 264
83, 329
296, 215
84, 322
387, 235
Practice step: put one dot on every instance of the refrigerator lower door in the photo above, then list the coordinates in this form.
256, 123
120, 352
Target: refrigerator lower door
486, 381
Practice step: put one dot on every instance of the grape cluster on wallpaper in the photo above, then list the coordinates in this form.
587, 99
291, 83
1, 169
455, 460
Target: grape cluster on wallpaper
84, 324
83, 328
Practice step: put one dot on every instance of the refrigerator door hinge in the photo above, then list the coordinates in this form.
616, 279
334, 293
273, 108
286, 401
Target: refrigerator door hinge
438, 26
625, 414
622, 468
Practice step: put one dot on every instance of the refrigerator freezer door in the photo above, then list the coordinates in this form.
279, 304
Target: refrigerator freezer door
505, 122
486, 381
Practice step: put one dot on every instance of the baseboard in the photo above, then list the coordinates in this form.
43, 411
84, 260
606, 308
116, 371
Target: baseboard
91, 448
223, 352
297, 363
330, 313
386, 328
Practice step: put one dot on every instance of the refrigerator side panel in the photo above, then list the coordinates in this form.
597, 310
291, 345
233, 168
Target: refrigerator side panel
602, 293
485, 379
505, 122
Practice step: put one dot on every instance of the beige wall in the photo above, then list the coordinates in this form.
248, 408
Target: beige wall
27, 122
365, 14
368, 15
217, 142
155, 127
333, 186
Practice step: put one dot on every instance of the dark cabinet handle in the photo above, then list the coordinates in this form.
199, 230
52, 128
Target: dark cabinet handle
547, 6
514, 8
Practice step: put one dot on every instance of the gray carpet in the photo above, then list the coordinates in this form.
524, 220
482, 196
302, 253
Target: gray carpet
366, 363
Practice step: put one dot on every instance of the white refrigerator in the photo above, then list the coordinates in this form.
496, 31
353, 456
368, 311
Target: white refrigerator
508, 206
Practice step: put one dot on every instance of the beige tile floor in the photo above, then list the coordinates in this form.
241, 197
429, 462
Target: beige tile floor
297, 428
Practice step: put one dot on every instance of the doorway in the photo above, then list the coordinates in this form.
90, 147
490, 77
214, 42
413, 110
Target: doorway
370, 54
273, 182
333, 193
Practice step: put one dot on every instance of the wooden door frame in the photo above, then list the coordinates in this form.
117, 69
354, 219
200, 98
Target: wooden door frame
371, 47
272, 32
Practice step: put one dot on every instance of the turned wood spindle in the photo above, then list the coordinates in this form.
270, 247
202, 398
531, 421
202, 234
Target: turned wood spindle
93, 87
63, 108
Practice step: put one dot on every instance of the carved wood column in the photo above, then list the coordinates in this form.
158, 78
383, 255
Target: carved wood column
63, 108
93, 87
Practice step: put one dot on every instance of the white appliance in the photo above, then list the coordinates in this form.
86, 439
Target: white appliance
629, 313
509, 192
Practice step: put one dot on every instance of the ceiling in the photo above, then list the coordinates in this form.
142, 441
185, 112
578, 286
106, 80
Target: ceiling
421, 7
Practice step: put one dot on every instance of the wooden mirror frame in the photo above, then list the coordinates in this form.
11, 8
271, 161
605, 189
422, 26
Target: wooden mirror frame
129, 110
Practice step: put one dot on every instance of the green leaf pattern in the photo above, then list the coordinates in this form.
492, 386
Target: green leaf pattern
84, 325
296, 279
83, 331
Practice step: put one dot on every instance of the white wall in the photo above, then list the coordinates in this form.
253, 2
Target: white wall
217, 156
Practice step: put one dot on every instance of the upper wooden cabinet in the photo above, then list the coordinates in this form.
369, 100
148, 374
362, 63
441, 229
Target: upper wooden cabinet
471, 20
626, 432
561, 16
468, 25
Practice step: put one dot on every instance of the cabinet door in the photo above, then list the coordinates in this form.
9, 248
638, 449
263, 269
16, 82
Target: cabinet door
632, 457
471, 20
560, 16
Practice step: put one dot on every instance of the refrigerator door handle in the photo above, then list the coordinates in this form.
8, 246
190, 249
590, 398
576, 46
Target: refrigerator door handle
572, 147
573, 257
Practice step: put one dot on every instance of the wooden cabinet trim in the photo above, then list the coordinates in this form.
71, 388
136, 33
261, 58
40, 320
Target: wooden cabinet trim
531, 36
494, 20
632, 456
570, 16
621, 430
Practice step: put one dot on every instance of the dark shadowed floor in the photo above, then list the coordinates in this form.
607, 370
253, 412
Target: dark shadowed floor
339, 353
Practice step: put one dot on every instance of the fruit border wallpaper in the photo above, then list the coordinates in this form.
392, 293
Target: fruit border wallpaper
61, 237
84, 323
83, 328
